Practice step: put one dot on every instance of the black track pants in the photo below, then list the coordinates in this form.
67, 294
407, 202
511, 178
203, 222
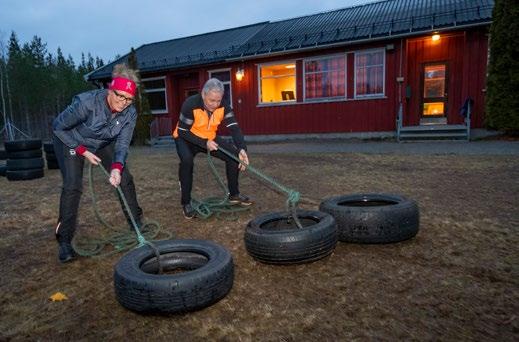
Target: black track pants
71, 166
187, 151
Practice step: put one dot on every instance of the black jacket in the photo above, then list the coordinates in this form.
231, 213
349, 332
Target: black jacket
88, 121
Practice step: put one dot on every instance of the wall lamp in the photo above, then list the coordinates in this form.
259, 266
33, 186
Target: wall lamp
240, 73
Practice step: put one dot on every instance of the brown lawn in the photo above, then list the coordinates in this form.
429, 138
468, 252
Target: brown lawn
458, 279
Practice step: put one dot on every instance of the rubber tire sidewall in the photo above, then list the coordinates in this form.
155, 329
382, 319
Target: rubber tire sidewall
291, 246
174, 293
376, 224
22, 145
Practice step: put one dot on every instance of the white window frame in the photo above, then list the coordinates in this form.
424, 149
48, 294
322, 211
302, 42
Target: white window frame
210, 72
156, 90
259, 66
368, 96
326, 99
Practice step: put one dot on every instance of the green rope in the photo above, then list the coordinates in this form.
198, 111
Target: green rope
218, 206
209, 206
120, 240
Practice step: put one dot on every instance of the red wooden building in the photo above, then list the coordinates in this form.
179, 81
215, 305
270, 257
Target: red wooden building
389, 68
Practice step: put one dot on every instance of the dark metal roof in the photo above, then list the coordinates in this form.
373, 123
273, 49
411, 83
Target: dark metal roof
381, 19
376, 20
200, 49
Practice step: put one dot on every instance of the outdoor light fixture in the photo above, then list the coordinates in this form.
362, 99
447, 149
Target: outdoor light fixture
435, 37
239, 74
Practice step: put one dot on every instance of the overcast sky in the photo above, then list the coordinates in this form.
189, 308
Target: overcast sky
106, 28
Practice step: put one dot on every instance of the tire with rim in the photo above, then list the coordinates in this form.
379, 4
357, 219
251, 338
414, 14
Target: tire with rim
22, 145
373, 218
275, 239
24, 174
196, 274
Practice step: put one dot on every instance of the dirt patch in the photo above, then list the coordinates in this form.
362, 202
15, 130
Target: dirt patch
456, 280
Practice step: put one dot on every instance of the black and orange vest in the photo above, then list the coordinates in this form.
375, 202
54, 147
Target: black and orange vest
204, 126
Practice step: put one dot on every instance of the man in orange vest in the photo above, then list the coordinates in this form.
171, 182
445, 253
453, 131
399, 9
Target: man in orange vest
200, 116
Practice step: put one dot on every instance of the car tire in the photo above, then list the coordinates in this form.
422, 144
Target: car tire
208, 277
274, 239
22, 145
24, 174
373, 218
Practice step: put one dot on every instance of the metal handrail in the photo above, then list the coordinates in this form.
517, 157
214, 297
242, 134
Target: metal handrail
399, 122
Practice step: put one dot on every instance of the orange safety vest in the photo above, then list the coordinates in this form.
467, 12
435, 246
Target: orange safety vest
204, 126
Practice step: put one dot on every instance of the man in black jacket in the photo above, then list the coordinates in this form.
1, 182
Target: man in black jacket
97, 126
200, 117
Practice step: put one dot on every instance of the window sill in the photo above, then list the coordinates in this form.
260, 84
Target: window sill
374, 97
277, 104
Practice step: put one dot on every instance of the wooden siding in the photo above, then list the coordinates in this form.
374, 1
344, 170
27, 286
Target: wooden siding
465, 53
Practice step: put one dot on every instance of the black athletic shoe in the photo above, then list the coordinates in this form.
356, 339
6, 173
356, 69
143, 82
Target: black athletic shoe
240, 199
188, 211
66, 252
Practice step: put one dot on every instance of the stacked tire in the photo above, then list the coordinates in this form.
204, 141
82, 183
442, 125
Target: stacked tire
3, 167
50, 157
24, 160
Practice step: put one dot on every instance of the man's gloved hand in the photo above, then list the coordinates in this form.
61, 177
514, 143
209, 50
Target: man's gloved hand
211, 145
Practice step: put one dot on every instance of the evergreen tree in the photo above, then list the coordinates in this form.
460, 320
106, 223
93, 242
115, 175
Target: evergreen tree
503, 72
144, 116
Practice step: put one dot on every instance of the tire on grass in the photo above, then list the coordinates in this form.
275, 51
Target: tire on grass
24, 174
373, 218
197, 273
274, 239
3, 170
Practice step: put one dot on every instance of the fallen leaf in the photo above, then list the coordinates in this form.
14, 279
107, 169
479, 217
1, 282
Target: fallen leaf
58, 297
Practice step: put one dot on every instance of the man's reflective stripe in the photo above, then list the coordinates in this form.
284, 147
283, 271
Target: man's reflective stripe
234, 123
185, 120
182, 128
229, 115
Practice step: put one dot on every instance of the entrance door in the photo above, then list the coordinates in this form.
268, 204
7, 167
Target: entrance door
433, 107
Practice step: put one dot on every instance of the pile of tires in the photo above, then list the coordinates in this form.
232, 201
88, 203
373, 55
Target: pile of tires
195, 274
274, 238
373, 218
24, 160
50, 157
3, 167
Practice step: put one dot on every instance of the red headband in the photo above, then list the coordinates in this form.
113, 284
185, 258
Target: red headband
123, 84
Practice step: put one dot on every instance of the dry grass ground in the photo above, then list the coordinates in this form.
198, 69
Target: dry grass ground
458, 279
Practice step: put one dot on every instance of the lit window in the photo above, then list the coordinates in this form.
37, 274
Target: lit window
325, 78
369, 73
155, 89
278, 83
433, 108
225, 77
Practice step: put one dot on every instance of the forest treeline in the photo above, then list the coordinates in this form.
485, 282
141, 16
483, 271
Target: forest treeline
36, 84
